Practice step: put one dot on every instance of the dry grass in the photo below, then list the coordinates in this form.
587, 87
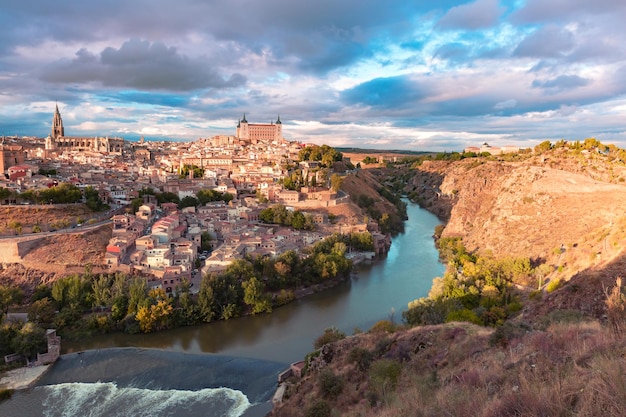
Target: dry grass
569, 369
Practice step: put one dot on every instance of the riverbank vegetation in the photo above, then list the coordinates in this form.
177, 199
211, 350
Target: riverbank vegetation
82, 304
475, 288
463, 351
26, 339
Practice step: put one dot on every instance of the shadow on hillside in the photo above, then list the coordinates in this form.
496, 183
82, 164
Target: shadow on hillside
425, 189
585, 291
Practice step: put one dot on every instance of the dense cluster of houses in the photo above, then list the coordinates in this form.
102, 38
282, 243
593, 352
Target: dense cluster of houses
162, 240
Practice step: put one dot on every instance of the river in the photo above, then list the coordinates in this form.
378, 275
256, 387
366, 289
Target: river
377, 291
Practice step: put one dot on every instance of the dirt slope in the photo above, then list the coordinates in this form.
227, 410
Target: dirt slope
568, 219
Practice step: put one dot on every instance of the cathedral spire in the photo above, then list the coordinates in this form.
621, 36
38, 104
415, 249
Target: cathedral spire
57, 124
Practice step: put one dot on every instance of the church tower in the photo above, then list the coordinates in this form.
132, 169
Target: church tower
243, 131
57, 125
279, 130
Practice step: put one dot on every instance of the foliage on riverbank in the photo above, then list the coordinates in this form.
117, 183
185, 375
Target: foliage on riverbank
83, 304
475, 288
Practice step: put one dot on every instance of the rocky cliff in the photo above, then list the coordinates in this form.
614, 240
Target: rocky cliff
556, 213
561, 355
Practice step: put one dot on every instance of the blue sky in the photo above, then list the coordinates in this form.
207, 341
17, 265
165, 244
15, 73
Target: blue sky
418, 75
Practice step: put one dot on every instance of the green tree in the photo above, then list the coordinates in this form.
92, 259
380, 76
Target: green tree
544, 146
188, 312
93, 201
42, 312
9, 295
101, 289
135, 204
155, 316
119, 287
30, 340
298, 220
42, 291
206, 299
240, 270
188, 201
254, 295
5, 193
168, 197
137, 294
205, 241
336, 181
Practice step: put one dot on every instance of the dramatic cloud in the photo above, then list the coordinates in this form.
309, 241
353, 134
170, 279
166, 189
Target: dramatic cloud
477, 15
430, 74
141, 65
562, 82
547, 42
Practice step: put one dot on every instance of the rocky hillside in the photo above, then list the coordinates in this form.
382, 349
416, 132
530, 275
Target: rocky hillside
562, 354
569, 367
54, 256
559, 210
43, 216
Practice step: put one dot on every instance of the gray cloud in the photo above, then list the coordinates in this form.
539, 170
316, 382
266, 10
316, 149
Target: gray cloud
476, 15
355, 61
562, 82
536, 11
141, 65
452, 51
546, 42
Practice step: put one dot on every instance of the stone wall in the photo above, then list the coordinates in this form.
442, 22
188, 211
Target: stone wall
14, 250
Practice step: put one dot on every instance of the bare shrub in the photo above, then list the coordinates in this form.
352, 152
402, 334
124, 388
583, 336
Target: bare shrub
330, 384
331, 334
319, 409
616, 307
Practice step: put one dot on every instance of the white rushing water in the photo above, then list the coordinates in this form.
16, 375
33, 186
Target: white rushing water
106, 399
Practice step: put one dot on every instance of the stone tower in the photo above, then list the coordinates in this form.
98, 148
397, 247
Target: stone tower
243, 131
279, 129
57, 125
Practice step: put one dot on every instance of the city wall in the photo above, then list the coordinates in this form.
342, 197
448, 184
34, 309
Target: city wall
14, 250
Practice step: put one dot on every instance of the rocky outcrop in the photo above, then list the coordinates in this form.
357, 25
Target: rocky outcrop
553, 214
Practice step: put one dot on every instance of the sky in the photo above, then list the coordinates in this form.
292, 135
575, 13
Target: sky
429, 75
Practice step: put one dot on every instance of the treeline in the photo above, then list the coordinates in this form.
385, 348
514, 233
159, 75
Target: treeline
278, 214
612, 152
475, 288
84, 304
324, 154
64, 193
202, 197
